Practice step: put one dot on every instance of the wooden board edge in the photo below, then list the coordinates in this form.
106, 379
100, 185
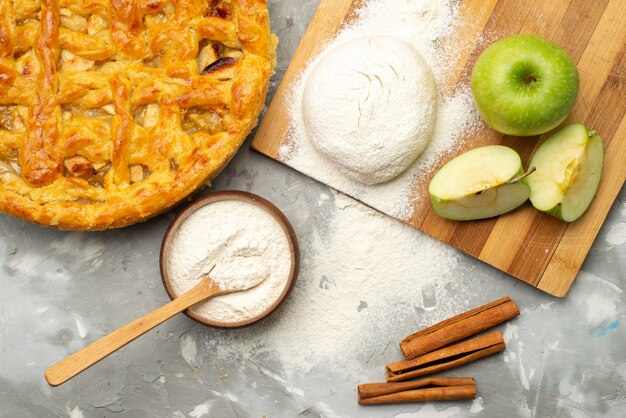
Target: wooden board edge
549, 281
311, 44
552, 279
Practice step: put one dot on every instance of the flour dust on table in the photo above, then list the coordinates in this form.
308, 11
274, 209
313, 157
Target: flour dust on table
357, 290
422, 25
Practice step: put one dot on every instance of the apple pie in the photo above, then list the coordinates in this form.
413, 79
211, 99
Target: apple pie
113, 111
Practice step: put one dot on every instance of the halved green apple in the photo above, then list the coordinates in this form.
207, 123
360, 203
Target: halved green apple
568, 170
480, 183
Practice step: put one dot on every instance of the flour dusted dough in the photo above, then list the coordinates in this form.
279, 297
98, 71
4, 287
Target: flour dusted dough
370, 106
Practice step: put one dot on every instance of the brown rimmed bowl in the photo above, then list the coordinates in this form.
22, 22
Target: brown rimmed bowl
236, 196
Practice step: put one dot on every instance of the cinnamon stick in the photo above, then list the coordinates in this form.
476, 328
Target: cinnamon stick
433, 389
459, 327
446, 358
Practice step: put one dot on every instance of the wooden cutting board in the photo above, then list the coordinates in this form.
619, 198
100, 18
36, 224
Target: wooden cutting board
534, 247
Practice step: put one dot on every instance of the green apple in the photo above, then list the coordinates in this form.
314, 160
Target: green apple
524, 85
568, 170
480, 183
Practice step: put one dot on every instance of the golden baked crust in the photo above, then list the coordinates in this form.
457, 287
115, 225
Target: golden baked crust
113, 111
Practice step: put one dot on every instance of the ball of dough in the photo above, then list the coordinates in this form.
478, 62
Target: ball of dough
369, 105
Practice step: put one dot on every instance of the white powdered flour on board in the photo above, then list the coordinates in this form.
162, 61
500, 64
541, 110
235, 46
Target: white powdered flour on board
422, 24
365, 283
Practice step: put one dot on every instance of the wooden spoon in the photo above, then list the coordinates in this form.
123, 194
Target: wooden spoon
70, 366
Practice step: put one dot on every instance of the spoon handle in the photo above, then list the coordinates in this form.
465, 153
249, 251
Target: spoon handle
88, 356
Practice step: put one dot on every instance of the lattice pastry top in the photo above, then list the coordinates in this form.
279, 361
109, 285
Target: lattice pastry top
113, 111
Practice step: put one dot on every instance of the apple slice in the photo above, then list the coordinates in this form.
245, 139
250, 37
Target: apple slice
481, 183
568, 170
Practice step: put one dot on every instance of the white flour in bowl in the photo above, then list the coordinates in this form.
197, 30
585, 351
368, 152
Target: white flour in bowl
423, 24
241, 244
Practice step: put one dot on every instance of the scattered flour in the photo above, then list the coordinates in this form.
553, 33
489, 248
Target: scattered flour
602, 306
477, 405
617, 234
423, 24
75, 413
201, 410
346, 303
188, 350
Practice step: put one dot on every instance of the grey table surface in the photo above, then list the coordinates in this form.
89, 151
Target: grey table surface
61, 290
